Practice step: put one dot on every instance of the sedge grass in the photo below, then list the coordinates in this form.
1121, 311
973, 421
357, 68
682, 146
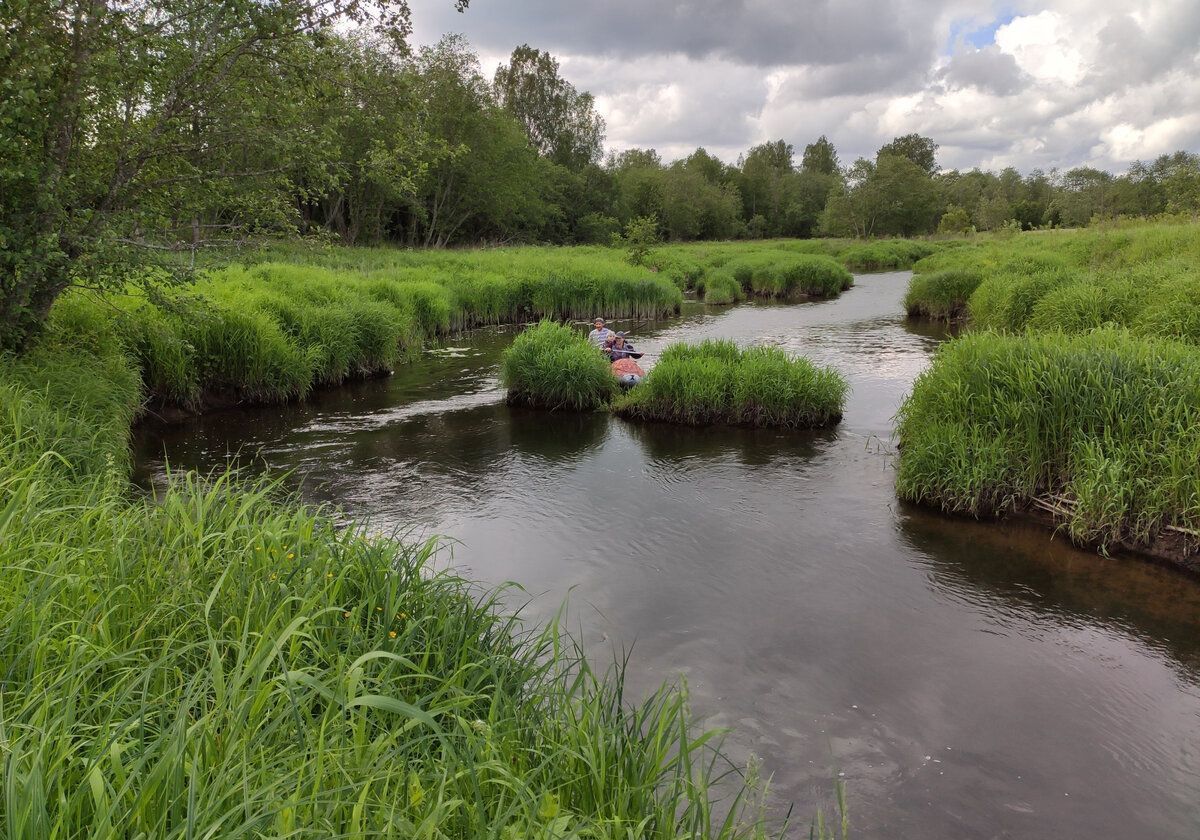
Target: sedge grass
1107, 420
554, 366
716, 382
719, 287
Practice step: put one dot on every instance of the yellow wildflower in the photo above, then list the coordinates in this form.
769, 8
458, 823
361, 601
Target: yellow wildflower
391, 634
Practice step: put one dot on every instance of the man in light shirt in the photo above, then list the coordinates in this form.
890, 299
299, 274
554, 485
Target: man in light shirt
600, 334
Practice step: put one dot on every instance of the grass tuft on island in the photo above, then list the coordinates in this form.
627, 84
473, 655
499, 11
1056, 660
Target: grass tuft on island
716, 382
1101, 429
554, 366
221, 661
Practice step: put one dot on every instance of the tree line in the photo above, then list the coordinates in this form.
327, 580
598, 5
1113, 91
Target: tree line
132, 132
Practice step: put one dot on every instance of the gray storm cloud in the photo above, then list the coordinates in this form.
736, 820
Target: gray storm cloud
1053, 85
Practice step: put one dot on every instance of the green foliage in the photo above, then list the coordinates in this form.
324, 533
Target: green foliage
1140, 277
921, 151
1106, 421
641, 235
716, 382
885, 254
561, 122
718, 286
956, 220
554, 366
221, 661
941, 294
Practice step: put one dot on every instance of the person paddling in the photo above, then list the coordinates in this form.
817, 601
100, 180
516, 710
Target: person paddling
622, 348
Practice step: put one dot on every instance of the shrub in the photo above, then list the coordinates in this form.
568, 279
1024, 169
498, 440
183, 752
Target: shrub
716, 382
553, 366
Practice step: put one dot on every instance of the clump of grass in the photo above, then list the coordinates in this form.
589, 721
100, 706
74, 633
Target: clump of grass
1107, 421
221, 661
554, 366
720, 287
887, 254
716, 382
790, 275
941, 295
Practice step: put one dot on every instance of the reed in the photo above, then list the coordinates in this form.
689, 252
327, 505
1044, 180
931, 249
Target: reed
554, 366
719, 287
1140, 276
1106, 420
716, 382
941, 295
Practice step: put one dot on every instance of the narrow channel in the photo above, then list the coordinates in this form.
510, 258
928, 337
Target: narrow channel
965, 680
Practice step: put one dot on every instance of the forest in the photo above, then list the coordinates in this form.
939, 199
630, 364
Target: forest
133, 133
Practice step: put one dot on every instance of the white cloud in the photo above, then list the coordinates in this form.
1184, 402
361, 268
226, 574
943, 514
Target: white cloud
1065, 82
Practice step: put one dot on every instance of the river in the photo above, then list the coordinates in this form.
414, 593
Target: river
965, 680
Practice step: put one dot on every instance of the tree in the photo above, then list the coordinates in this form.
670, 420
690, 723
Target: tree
920, 150
1179, 174
132, 129
708, 167
820, 158
561, 122
486, 177
764, 168
955, 220
892, 196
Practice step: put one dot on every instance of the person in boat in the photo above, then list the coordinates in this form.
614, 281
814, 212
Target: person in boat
600, 334
622, 348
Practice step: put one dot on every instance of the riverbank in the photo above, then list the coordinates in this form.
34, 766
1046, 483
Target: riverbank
221, 657
1073, 398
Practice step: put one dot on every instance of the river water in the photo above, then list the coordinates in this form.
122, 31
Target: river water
964, 680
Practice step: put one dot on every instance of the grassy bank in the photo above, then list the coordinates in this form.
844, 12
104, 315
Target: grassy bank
1108, 422
288, 319
1143, 277
273, 330
717, 382
1077, 391
221, 662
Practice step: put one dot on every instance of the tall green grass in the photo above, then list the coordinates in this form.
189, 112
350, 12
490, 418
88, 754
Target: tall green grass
554, 366
1143, 277
219, 661
717, 382
1105, 420
941, 295
718, 286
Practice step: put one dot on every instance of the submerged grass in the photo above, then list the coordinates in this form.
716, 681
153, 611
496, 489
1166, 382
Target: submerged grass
221, 662
554, 366
716, 382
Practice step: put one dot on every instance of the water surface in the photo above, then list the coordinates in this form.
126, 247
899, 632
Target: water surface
965, 680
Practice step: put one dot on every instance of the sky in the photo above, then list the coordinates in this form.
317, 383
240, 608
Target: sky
1058, 83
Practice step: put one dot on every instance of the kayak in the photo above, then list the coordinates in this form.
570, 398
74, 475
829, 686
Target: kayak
628, 372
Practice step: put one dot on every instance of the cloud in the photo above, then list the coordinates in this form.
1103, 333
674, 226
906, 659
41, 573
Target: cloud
1059, 84
988, 69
